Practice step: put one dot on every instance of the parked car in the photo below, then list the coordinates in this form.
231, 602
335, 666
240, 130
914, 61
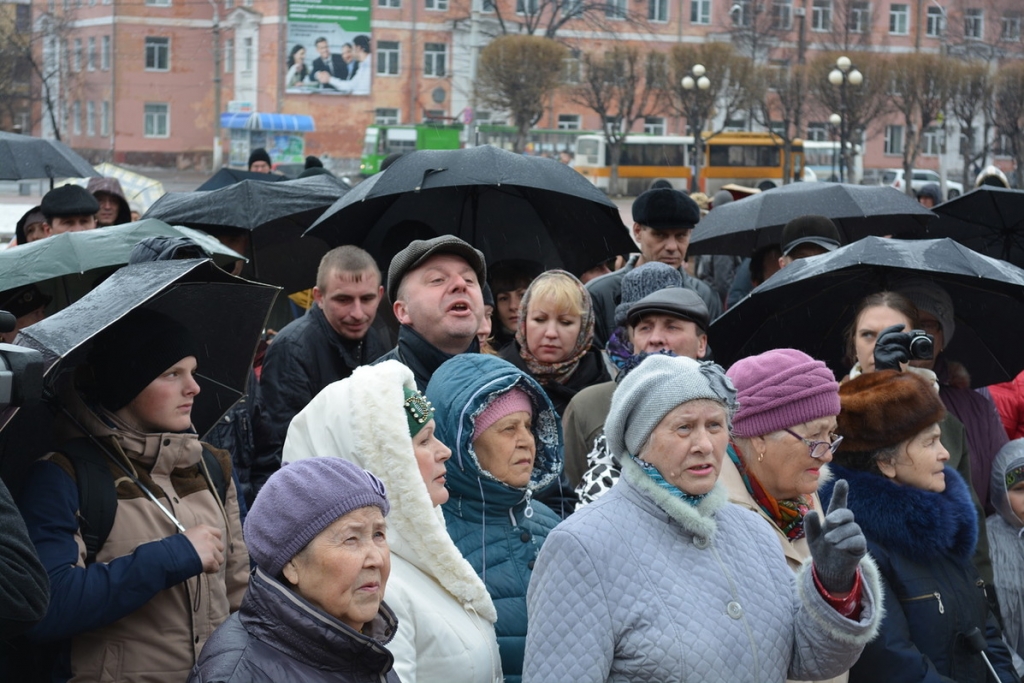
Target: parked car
894, 177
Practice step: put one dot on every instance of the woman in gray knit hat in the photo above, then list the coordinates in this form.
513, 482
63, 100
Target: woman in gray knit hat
662, 580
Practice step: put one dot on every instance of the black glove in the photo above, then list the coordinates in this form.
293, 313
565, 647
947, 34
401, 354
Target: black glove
837, 544
892, 348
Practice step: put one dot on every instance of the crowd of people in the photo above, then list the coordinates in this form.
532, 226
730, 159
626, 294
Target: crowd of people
486, 472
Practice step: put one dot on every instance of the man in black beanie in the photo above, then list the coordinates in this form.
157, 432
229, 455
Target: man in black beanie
69, 208
259, 161
663, 219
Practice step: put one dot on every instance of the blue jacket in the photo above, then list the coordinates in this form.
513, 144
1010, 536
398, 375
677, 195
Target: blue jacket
498, 529
923, 542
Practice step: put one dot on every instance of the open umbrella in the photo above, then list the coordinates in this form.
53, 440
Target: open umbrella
26, 157
69, 265
742, 227
809, 304
989, 220
225, 314
276, 213
230, 176
507, 205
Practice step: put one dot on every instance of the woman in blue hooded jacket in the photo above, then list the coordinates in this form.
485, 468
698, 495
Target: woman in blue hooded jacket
506, 443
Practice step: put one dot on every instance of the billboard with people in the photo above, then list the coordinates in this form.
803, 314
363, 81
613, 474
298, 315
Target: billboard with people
329, 47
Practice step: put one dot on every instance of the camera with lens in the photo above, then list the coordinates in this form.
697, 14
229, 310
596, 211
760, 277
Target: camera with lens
921, 345
21, 370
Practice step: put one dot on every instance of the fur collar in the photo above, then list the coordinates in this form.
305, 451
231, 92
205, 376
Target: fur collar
699, 521
913, 522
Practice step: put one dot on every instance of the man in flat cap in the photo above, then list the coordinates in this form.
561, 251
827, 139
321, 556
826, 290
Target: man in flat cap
663, 219
69, 208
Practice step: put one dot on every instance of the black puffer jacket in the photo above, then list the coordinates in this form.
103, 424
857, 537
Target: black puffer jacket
277, 636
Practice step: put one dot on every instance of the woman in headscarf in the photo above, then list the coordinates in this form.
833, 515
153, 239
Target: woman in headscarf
921, 528
1006, 539
377, 419
554, 337
662, 580
506, 446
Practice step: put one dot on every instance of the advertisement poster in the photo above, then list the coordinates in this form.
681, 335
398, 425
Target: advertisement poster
329, 49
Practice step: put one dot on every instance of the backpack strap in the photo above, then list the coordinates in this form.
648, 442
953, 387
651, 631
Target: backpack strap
218, 478
97, 494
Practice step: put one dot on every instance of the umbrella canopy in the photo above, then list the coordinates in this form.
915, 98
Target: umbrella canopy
230, 176
742, 227
989, 220
69, 265
507, 205
277, 214
809, 304
140, 191
26, 157
225, 314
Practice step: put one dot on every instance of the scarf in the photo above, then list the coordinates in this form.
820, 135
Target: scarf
560, 372
787, 515
618, 347
652, 472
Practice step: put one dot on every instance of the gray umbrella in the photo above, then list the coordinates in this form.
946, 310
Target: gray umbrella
744, 226
26, 157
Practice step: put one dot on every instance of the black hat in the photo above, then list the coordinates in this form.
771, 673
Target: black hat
931, 190
488, 295
311, 171
810, 230
133, 352
69, 200
313, 162
419, 251
258, 154
23, 300
33, 215
665, 208
675, 301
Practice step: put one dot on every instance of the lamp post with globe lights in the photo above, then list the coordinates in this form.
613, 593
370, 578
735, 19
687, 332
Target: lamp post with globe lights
844, 75
698, 103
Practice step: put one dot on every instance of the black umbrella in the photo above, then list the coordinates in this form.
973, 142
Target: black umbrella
225, 314
989, 220
742, 227
276, 213
26, 157
507, 205
230, 176
809, 304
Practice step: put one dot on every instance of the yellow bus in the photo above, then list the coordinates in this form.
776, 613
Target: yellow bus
750, 159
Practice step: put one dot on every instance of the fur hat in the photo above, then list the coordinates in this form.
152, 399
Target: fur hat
667, 209
883, 409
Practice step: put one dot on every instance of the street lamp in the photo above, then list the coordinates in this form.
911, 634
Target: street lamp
843, 75
835, 120
697, 106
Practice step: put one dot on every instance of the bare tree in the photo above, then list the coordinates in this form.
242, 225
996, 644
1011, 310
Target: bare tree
622, 86
780, 99
548, 17
1009, 112
756, 26
971, 100
923, 85
848, 28
15, 65
973, 29
729, 86
517, 74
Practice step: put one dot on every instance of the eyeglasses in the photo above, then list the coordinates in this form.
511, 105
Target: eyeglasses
818, 448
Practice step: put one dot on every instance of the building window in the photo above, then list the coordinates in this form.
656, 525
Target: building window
90, 56
158, 3
434, 115
105, 54
782, 15
931, 142
571, 67
229, 56
1001, 146
90, 118
77, 55
936, 22
741, 13
860, 17
657, 10
23, 18
615, 9
899, 20
526, 6
388, 57
817, 131
158, 53
436, 4
76, 117
389, 3
568, 122
435, 59
1011, 27
156, 123
654, 125
247, 55
612, 123
23, 122
973, 26
893, 140
821, 15
700, 11
105, 118
385, 117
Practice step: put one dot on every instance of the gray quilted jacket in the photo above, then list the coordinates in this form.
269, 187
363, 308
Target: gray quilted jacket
640, 586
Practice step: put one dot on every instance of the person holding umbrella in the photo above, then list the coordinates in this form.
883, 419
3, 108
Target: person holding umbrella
173, 565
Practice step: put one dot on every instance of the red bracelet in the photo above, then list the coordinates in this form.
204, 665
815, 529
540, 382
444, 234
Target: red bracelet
849, 606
